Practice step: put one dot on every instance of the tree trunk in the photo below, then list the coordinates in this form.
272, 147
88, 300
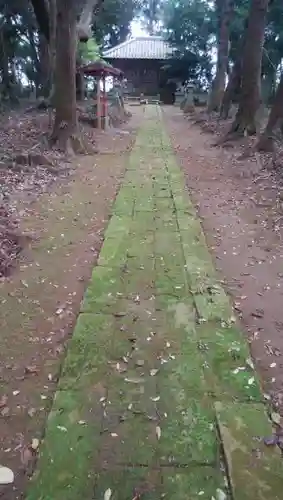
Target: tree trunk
52, 45
269, 86
80, 86
44, 69
245, 120
46, 55
89, 9
65, 125
225, 9
8, 78
266, 140
232, 89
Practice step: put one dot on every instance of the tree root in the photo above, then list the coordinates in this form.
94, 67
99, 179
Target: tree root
31, 159
265, 144
12, 242
26, 162
248, 153
73, 144
199, 120
41, 104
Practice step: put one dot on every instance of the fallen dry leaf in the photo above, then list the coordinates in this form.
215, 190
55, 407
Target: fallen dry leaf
5, 412
107, 494
31, 412
158, 432
276, 418
249, 362
153, 372
6, 475
140, 362
220, 494
34, 444
3, 400
155, 399
31, 370
271, 440
134, 380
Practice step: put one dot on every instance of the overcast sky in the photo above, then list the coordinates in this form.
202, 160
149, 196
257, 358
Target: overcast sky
137, 29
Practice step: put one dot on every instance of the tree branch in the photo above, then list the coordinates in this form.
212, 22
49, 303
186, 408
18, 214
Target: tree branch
91, 7
42, 17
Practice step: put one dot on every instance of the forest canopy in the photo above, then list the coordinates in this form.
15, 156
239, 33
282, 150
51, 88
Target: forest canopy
233, 48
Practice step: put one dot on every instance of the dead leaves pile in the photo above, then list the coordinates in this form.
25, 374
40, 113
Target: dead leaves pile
10, 241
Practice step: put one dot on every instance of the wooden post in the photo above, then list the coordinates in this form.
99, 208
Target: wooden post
98, 104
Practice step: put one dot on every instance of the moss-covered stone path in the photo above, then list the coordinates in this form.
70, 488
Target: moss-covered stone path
158, 380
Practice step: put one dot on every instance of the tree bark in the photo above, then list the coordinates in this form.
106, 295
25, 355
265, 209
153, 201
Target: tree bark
80, 86
269, 86
232, 89
44, 69
89, 7
245, 120
40, 8
46, 54
225, 9
65, 123
275, 119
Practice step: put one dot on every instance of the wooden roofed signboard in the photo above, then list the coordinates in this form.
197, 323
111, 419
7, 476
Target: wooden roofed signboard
141, 59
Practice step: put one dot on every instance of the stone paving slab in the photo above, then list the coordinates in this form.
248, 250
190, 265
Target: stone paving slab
157, 380
255, 470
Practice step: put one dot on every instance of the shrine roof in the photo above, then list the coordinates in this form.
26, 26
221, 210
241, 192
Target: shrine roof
101, 68
147, 47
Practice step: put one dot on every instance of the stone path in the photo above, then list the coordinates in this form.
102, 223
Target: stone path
157, 397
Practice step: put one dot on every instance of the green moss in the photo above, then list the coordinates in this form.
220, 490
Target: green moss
118, 224
187, 430
114, 252
125, 482
227, 365
144, 202
127, 439
193, 483
123, 206
89, 350
213, 304
255, 469
153, 348
70, 444
103, 291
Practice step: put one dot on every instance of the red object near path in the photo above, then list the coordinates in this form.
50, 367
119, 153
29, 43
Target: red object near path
102, 69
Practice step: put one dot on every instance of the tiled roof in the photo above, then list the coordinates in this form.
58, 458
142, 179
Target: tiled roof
149, 47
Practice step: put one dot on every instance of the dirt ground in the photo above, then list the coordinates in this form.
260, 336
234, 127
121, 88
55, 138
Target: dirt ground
241, 211
240, 204
40, 300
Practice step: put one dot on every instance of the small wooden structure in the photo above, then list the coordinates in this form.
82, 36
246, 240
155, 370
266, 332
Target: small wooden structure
141, 59
101, 70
